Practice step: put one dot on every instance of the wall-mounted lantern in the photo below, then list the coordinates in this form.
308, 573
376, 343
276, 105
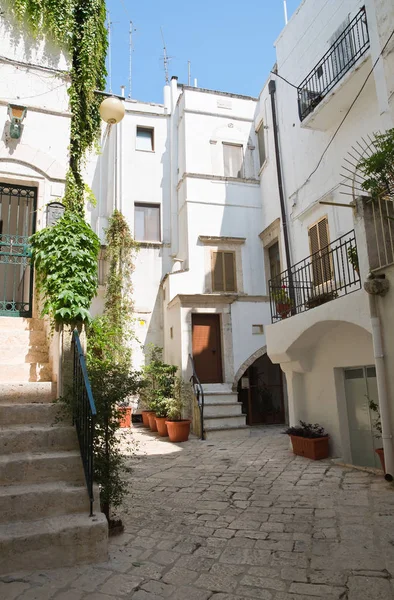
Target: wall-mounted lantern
16, 114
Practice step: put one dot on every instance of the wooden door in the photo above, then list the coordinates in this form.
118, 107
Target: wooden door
207, 352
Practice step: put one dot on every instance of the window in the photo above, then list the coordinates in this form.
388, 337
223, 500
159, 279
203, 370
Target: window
274, 260
144, 139
103, 266
319, 246
261, 141
233, 160
223, 272
147, 222
343, 51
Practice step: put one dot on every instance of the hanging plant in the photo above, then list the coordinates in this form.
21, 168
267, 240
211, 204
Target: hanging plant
78, 26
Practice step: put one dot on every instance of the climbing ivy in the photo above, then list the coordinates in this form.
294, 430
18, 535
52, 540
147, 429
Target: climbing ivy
79, 27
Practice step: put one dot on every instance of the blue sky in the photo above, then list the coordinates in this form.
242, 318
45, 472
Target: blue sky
229, 43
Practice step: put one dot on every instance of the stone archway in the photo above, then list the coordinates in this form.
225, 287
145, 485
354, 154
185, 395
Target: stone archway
260, 352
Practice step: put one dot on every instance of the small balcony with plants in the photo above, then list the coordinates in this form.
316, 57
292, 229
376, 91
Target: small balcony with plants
326, 90
323, 276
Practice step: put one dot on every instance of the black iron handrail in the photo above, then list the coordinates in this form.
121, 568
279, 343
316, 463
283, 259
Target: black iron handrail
323, 276
84, 414
350, 45
199, 394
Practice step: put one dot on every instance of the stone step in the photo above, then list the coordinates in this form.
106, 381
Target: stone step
23, 337
37, 438
34, 413
22, 502
25, 372
26, 467
60, 541
220, 397
21, 324
227, 433
19, 355
222, 408
224, 421
27, 392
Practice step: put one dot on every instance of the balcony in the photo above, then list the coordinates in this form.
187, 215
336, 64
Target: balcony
328, 274
347, 49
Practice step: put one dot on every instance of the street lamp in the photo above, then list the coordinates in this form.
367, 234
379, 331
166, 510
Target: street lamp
112, 110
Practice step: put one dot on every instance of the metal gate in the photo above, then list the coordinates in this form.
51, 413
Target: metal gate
18, 205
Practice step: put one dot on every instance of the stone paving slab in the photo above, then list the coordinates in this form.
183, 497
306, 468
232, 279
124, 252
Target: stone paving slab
235, 520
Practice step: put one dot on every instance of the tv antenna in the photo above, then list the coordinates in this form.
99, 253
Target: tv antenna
166, 58
131, 48
285, 10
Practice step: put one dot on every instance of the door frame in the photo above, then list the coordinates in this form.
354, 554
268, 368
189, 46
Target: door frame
217, 317
24, 253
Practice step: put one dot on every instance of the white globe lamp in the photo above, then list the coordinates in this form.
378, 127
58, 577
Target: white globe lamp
112, 110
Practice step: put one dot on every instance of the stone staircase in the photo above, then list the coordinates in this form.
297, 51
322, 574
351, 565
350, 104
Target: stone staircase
44, 514
223, 418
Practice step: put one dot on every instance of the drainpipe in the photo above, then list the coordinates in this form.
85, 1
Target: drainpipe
272, 91
379, 287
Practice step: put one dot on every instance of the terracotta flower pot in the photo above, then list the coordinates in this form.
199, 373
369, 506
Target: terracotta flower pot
152, 421
283, 309
145, 417
125, 416
178, 431
380, 453
314, 448
161, 426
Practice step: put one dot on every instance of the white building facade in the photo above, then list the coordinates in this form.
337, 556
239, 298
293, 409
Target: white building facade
332, 90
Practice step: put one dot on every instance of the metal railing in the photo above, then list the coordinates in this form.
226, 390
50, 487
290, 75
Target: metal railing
350, 45
84, 414
199, 395
379, 225
323, 276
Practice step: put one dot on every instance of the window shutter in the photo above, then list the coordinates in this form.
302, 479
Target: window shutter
261, 142
218, 272
229, 270
323, 242
318, 241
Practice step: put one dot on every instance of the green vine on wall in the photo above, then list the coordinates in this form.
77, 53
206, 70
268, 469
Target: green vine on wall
79, 27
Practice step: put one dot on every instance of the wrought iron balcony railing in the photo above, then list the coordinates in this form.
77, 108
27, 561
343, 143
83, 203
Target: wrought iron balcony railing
323, 276
350, 45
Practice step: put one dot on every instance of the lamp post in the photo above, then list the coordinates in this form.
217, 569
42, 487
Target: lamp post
112, 111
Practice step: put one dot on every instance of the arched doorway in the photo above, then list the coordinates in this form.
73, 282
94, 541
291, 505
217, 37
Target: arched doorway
260, 389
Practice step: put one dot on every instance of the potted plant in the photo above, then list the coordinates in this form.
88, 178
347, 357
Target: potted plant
124, 415
282, 301
377, 424
319, 299
309, 440
161, 415
178, 428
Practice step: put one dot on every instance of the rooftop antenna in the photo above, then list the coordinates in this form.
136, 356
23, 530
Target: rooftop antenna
166, 58
130, 53
285, 9
188, 73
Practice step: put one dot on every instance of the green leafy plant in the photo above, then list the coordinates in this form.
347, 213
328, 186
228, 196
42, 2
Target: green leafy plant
306, 430
280, 295
378, 168
319, 299
182, 396
352, 256
377, 424
109, 364
65, 261
78, 26
159, 381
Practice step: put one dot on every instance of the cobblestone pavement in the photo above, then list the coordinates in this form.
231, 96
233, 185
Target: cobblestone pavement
236, 520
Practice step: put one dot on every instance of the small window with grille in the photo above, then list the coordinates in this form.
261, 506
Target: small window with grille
103, 266
223, 272
319, 240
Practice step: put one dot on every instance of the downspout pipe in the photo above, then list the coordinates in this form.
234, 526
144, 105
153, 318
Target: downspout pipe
375, 287
272, 91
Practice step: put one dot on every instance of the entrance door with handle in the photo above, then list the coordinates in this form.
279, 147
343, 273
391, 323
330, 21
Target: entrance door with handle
360, 387
207, 351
